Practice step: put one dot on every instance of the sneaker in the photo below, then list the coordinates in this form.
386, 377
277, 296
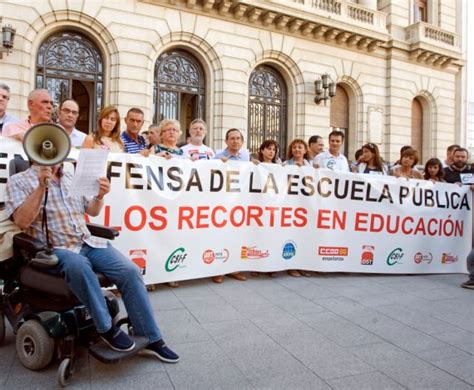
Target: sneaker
469, 284
118, 340
159, 350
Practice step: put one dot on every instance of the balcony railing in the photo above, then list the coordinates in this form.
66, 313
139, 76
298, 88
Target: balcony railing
343, 11
427, 33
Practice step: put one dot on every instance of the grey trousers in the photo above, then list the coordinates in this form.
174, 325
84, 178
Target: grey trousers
470, 264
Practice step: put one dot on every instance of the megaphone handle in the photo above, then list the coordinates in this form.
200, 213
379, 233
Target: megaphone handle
44, 224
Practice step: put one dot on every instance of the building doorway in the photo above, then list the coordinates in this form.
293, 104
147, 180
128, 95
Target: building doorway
179, 89
69, 65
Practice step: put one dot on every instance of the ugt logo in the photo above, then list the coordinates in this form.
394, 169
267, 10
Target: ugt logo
176, 259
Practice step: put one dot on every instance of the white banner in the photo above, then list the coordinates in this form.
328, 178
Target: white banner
184, 220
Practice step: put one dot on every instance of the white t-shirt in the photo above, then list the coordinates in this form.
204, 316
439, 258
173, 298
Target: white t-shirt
327, 160
202, 152
77, 138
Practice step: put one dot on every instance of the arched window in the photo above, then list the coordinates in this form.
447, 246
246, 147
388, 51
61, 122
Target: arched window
69, 65
267, 108
339, 115
417, 126
179, 88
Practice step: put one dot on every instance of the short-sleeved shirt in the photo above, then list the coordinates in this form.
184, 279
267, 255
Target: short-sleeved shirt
201, 152
336, 163
66, 221
133, 146
12, 129
235, 157
77, 138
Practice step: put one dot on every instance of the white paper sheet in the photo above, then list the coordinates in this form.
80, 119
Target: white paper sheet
91, 165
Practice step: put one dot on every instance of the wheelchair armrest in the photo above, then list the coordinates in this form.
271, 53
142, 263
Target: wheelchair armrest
102, 231
27, 243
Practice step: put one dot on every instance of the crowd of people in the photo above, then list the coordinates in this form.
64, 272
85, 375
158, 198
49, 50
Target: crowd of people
163, 140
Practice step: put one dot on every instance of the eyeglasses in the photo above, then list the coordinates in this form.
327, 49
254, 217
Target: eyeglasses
67, 111
172, 130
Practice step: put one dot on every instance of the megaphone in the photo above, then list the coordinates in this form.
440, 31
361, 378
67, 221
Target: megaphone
46, 144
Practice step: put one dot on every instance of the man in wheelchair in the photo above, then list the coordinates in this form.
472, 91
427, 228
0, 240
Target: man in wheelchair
80, 255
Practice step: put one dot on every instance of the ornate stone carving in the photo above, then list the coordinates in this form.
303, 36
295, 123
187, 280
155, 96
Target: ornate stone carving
177, 69
264, 83
71, 52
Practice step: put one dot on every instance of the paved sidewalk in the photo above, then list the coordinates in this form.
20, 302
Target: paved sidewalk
324, 332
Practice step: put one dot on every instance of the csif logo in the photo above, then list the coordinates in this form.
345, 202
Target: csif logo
395, 257
289, 250
176, 259
331, 163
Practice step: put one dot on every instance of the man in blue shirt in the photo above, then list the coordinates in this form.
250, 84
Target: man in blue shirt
234, 140
133, 142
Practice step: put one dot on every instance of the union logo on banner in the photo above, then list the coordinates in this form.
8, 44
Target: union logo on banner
138, 257
251, 252
367, 255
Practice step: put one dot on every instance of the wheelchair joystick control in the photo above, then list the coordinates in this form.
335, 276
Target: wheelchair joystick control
45, 258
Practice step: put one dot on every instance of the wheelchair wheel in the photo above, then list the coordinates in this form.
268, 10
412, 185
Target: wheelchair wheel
34, 347
2, 328
64, 372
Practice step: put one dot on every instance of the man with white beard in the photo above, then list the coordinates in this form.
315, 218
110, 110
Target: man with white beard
195, 149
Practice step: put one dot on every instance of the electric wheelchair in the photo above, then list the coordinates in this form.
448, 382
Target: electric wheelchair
48, 320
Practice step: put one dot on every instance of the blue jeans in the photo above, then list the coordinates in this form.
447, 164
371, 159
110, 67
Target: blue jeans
79, 272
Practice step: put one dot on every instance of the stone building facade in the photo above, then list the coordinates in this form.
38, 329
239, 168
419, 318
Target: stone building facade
397, 65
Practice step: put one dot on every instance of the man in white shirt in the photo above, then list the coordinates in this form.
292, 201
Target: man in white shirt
4, 98
67, 117
332, 159
195, 149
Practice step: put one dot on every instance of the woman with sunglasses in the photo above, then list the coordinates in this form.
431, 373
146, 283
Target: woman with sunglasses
371, 162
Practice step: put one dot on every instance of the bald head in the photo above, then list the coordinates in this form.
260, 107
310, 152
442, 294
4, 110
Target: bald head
40, 106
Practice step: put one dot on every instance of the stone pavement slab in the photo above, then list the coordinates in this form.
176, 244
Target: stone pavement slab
329, 331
